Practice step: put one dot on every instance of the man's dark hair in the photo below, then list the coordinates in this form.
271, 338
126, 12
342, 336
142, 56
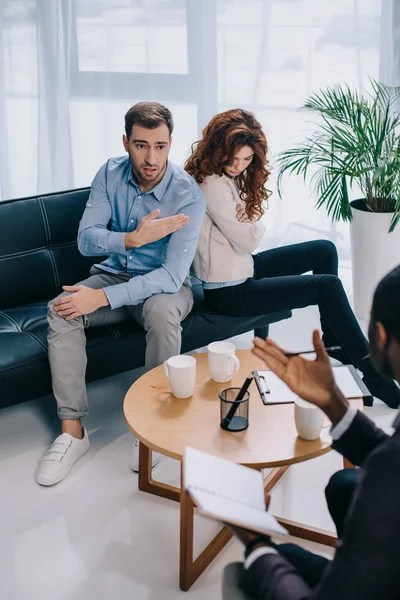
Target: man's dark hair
149, 115
386, 304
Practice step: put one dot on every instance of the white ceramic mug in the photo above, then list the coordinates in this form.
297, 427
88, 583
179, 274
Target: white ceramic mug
181, 372
308, 419
222, 362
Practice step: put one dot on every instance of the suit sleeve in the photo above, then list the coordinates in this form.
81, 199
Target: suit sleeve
272, 577
361, 438
221, 207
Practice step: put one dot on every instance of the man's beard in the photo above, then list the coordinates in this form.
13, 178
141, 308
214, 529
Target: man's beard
142, 176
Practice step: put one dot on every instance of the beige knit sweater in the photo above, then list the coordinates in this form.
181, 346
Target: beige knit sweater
225, 244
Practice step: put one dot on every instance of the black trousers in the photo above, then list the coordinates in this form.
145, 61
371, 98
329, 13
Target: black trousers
279, 284
339, 494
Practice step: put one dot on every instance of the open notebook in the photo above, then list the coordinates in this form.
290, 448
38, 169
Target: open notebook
346, 376
228, 492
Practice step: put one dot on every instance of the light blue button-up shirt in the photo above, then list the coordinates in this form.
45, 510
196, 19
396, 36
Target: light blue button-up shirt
116, 205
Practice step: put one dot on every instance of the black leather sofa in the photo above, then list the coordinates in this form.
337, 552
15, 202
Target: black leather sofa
38, 254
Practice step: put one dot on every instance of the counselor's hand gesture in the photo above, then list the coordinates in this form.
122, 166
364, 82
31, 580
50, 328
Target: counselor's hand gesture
312, 380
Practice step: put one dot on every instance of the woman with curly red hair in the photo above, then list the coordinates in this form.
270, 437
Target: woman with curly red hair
230, 164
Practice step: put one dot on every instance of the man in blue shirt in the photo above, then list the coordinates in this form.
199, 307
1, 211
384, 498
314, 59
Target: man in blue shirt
145, 213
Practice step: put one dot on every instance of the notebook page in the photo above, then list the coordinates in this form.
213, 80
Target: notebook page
223, 478
236, 514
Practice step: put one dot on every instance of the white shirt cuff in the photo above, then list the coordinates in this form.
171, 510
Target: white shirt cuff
257, 553
343, 425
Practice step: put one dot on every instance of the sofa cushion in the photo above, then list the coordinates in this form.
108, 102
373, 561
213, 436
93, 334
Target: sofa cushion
38, 249
24, 368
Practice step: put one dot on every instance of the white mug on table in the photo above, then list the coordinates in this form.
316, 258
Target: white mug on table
308, 419
222, 362
181, 372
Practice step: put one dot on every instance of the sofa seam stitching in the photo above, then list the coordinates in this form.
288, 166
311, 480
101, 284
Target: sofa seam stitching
55, 270
24, 364
48, 241
35, 250
18, 328
45, 220
37, 340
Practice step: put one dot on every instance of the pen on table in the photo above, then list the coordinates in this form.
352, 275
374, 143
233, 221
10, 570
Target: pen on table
263, 388
328, 349
237, 401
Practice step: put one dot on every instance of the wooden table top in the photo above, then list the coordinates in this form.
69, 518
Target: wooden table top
167, 424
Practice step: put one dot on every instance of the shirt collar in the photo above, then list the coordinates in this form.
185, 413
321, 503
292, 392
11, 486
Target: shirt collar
161, 187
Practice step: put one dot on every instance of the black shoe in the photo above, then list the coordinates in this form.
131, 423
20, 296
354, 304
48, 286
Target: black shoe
384, 389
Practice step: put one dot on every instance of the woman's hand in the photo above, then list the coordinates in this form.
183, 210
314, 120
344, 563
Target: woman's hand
241, 214
312, 380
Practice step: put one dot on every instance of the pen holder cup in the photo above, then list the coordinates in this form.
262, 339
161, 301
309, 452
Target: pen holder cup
234, 416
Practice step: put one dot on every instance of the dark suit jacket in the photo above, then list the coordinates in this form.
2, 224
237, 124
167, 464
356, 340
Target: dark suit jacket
366, 565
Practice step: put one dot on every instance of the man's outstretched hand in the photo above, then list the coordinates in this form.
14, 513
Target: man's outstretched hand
151, 229
312, 380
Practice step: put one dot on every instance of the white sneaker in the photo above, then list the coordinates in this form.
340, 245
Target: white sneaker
63, 454
135, 457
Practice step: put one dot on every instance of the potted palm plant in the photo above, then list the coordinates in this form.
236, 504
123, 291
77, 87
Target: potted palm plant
356, 144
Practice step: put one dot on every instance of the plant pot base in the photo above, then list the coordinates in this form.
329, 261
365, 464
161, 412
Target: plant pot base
374, 252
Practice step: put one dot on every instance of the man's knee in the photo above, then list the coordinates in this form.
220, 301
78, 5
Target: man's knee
51, 313
342, 485
56, 320
160, 314
50, 305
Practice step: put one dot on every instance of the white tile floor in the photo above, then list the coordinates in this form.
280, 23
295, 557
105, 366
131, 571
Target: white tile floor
94, 536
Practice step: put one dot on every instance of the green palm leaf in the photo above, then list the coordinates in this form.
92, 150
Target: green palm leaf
356, 141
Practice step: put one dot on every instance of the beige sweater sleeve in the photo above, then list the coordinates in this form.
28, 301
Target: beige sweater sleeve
221, 200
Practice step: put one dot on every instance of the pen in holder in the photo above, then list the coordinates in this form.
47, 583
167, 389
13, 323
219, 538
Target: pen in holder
240, 419
235, 407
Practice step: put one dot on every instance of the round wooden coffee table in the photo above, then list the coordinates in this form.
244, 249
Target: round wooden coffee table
167, 425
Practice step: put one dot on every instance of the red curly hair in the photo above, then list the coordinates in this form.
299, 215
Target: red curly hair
225, 134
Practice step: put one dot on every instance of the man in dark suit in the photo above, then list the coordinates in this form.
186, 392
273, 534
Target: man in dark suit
366, 565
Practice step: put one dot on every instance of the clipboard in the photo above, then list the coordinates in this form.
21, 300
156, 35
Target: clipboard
274, 391
266, 395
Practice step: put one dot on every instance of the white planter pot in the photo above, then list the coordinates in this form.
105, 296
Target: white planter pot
374, 253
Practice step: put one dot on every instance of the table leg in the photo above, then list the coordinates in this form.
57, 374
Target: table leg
307, 532
189, 569
273, 477
146, 483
